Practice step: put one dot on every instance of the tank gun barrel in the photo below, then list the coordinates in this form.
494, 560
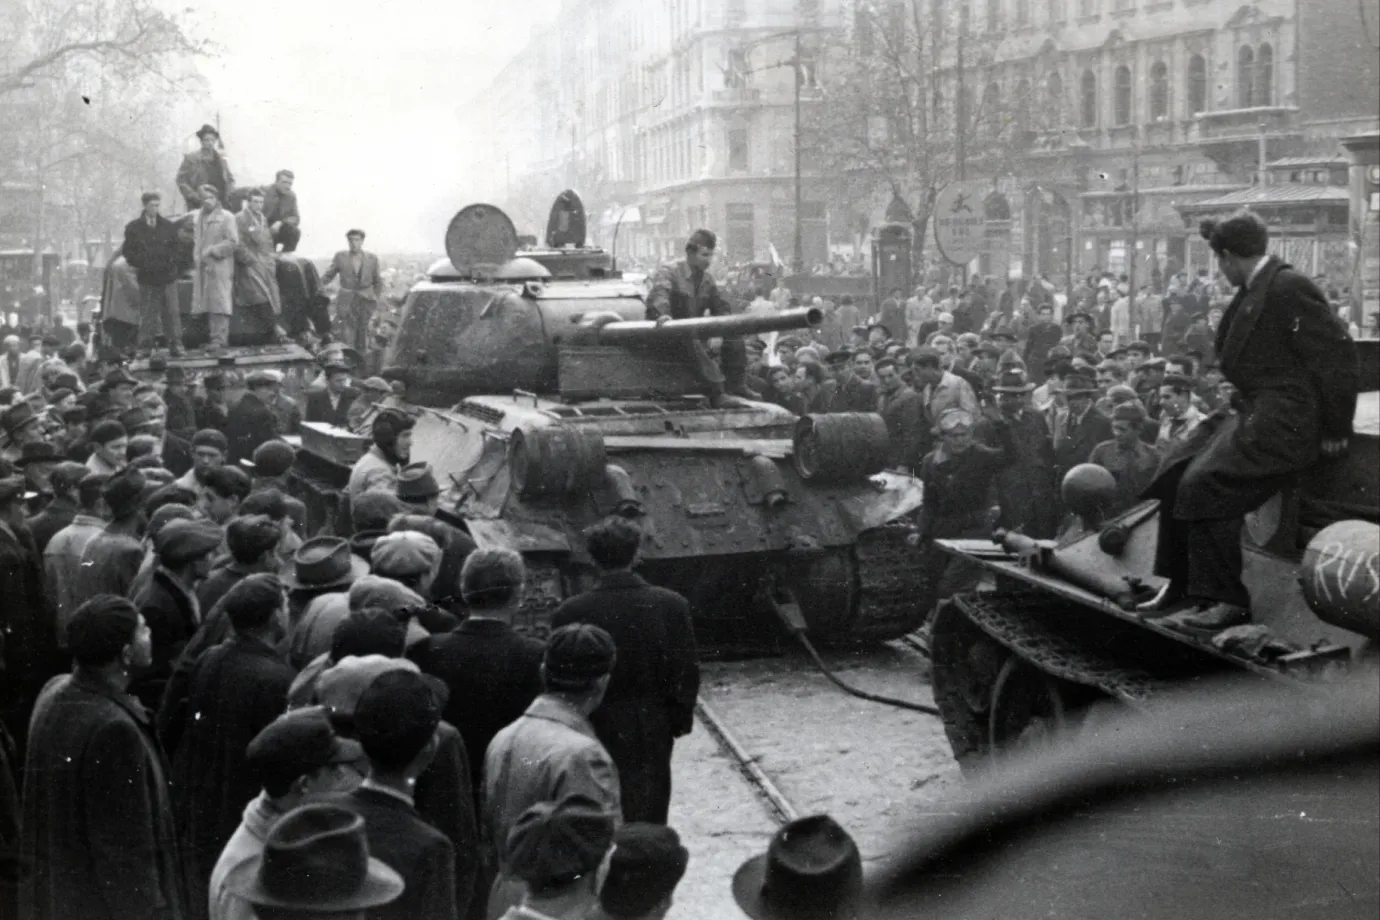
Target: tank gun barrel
629, 332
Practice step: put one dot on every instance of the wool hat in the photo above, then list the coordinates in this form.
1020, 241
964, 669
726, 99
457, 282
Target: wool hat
553, 843
404, 554
210, 437
272, 458
180, 542
646, 864
250, 536
101, 627
577, 655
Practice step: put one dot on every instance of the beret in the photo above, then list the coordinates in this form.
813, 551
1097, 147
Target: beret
179, 542
273, 458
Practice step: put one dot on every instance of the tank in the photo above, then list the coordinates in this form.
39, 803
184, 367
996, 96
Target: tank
545, 403
1058, 637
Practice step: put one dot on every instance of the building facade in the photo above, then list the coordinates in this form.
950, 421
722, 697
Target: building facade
1155, 107
665, 115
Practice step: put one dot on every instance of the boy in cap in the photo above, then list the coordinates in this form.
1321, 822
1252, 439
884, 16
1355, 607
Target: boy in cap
644, 867
552, 749
1126, 456
184, 550
109, 442
556, 849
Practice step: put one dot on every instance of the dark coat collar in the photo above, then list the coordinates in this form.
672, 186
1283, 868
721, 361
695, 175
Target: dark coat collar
1244, 312
621, 579
126, 702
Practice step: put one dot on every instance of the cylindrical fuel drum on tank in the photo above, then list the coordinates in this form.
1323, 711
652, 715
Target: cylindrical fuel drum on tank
840, 446
1341, 576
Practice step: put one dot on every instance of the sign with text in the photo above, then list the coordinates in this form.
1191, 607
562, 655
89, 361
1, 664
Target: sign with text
959, 223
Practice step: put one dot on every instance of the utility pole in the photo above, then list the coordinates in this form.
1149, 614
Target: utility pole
960, 101
798, 257
1135, 221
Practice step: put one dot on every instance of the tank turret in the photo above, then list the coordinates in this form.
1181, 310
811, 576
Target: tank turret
496, 319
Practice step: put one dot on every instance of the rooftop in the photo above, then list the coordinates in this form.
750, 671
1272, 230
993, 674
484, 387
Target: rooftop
1274, 195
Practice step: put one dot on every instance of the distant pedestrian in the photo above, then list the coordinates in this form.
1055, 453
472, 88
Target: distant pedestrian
651, 694
98, 828
551, 750
361, 290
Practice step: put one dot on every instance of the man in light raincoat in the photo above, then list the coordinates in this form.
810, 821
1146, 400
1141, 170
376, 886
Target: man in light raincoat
217, 237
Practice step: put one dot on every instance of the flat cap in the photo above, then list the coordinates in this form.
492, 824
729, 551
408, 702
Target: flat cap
210, 437
398, 705
295, 744
577, 655
1178, 381
67, 475
101, 627
165, 515
134, 419
404, 554
179, 542
250, 536
375, 385
261, 378
382, 592
417, 483
340, 686
556, 842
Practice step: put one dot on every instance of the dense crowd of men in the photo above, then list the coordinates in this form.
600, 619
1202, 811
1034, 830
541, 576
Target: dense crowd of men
209, 711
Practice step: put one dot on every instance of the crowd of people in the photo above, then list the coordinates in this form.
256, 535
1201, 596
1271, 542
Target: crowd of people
211, 712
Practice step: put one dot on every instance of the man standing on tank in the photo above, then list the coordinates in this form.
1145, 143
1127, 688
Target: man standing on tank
684, 289
1294, 369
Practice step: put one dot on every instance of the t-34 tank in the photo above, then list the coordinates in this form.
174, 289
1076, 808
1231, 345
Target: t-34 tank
1061, 636
547, 401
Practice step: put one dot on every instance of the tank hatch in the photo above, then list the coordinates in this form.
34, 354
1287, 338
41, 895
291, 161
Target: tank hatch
480, 239
521, 269
566, 225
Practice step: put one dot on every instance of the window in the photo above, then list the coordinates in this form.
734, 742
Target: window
1123, 95
1088, 100
1022, 12
862, 30
1265, 76
1197, 84
993, 15
1057, 11
738, 149
1159, 91
991, 107
1245, 77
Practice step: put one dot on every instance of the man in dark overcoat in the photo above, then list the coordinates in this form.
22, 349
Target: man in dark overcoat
252, 420
152, 248
651, 697
98, 823
235, 690
332, 404
1026, 488
1081, 428
684, 289
28, 641
1294, 367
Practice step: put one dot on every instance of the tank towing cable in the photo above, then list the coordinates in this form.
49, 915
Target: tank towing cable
786, 608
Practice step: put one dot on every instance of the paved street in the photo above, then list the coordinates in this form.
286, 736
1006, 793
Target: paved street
876, 769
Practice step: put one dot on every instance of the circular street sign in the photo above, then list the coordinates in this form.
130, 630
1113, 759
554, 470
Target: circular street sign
959, 225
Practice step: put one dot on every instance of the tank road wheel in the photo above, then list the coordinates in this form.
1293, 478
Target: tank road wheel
1027, 709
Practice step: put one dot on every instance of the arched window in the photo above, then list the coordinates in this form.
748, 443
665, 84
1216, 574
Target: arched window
1088, 100
1123, 95
1245, 77
1197, 84
1159, 91
1265, 76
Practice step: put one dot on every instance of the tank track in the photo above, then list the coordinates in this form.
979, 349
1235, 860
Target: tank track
888, 583
1019, 621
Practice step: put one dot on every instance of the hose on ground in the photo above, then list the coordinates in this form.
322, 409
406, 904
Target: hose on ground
854, 691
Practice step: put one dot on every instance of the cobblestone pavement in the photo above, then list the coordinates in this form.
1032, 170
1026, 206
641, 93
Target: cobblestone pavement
877, 769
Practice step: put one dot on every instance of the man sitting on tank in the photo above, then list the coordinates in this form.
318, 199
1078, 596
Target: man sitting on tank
684, 289
1295, 375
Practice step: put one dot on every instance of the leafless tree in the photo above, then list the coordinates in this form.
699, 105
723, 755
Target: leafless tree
891, 114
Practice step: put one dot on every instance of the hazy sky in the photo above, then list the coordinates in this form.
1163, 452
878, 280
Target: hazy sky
360, 100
